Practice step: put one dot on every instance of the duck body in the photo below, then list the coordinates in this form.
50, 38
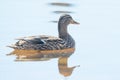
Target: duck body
44, 42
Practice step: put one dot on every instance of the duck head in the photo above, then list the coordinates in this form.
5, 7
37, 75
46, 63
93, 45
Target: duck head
67, 19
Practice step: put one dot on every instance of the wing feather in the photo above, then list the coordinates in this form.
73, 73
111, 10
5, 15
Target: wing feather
40, 42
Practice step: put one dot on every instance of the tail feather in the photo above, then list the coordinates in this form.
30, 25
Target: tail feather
12, 46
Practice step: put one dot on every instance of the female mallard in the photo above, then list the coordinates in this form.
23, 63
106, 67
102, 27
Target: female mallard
44, 42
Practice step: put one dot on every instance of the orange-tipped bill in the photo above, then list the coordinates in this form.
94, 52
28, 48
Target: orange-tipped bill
74, 22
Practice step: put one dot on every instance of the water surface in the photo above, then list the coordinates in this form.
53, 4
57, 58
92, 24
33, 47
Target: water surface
97, 39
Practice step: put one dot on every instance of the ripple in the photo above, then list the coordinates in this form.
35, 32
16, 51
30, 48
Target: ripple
54, 21
61, 4
58, 12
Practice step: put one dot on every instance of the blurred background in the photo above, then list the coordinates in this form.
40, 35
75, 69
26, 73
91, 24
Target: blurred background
97, 38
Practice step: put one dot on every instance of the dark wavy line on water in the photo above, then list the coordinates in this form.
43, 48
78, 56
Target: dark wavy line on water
61, 4
57, 12
53, 21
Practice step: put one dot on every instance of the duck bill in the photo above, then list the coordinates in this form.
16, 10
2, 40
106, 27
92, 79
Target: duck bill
74, 22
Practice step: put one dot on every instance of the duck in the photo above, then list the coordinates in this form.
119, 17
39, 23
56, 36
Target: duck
46, 42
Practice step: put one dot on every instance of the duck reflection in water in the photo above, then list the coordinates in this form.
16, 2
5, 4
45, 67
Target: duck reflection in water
63, 67
45, 47
36, 55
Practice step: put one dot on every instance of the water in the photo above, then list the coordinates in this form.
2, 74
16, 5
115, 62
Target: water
97, 39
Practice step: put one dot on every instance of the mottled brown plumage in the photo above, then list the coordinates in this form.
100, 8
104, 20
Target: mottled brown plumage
44, 42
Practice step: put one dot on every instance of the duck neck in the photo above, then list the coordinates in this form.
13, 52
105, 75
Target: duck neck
62, 30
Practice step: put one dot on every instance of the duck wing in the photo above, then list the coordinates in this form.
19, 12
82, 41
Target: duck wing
42, 42
30, 40
33, 37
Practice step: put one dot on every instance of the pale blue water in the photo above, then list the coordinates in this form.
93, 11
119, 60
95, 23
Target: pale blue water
97, 38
